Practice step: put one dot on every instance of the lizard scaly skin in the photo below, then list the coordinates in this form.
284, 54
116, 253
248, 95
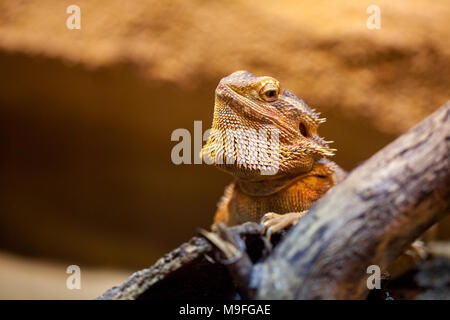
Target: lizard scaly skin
267, 138
278, 176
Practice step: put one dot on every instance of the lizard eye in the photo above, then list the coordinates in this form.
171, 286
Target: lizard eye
269, 92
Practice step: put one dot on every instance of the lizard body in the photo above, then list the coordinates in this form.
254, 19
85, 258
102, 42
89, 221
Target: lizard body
245, 105
238, 206
298, 166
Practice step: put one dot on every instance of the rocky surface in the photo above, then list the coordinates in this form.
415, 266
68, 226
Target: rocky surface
396, 75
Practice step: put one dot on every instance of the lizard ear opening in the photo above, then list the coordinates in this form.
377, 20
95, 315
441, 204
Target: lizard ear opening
303, 130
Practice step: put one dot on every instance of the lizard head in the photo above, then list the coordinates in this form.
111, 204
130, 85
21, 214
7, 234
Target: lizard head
261, 131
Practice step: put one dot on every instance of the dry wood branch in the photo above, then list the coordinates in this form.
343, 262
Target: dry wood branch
370, 218
231, 246
188, 272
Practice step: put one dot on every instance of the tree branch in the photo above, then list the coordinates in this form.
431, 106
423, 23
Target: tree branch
369, 218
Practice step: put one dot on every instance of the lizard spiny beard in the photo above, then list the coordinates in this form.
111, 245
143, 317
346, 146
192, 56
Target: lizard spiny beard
256, 140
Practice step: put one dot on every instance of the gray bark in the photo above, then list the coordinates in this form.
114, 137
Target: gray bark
368, 219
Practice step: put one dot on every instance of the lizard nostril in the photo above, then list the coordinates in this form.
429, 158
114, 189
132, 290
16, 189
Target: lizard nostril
303, 129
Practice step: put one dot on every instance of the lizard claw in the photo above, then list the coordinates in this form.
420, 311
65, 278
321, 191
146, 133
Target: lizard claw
267, 216
273, 222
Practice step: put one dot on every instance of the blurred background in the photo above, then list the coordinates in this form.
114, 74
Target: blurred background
86, 115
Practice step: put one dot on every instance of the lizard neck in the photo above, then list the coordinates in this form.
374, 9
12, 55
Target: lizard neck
322, 167
264, 187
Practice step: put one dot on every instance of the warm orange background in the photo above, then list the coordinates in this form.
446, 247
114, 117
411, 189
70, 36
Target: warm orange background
86, 115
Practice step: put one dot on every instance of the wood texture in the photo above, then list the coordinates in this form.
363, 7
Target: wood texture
370, 218
187, 272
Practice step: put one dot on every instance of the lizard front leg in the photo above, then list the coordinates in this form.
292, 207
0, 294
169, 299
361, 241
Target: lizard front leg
274, 222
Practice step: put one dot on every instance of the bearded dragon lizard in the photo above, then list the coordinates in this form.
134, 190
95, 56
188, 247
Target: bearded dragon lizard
273, 185
277, 179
